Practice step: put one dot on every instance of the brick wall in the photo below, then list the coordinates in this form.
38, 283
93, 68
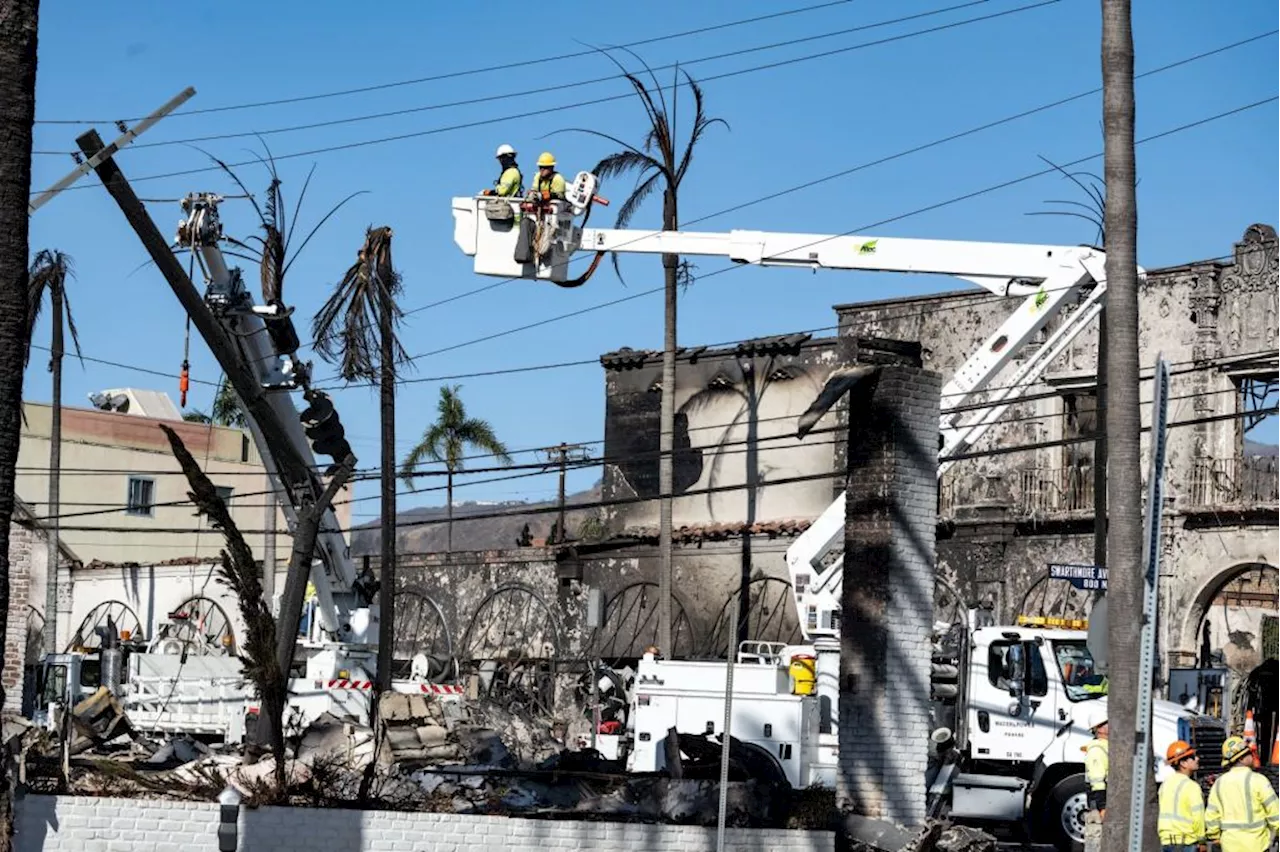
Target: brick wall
888, 594
21, 543
79, 824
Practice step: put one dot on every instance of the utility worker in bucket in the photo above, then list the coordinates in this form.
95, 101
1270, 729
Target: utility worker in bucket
1242, 813
1181, 823
510, 183
549, 184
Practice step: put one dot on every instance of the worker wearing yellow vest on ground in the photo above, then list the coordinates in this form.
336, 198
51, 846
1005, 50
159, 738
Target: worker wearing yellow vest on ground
1097, 761
510, 183
549, 184
1242, 813
1181, 824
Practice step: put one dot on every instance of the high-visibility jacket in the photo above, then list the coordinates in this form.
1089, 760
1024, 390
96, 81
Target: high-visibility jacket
555, 185
511, 183
1181, 812
1242, 812
1097, 761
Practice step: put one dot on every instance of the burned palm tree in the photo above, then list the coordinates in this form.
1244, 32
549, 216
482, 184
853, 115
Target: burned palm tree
1092, 210
356, 331
49, 274
660, 161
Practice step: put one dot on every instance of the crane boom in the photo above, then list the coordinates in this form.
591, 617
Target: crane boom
1048, 278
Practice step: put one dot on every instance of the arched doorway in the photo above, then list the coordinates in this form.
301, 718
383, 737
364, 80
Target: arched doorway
1233, 624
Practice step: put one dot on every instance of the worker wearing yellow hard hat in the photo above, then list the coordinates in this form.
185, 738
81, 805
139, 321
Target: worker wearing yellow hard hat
549, 184
1242, 814
1181, 821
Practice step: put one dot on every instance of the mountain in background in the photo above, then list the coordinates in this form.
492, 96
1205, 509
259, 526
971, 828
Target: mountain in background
486, 533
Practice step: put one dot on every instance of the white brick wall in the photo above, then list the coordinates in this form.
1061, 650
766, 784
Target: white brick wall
82, 824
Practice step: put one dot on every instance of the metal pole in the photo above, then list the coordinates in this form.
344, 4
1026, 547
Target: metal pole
1151, 561
121, 141
725, 739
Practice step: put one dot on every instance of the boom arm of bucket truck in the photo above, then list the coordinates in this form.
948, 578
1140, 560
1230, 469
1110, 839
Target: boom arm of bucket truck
266, 345
1048, 278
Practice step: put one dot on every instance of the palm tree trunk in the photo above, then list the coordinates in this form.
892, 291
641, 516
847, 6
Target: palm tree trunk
448, 518
387, 589
1124, 534
667, 428
55, 476
17, 115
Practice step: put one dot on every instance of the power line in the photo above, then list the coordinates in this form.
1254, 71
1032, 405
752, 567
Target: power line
558, 86
899, 155
898, 218
505, 66
562, 108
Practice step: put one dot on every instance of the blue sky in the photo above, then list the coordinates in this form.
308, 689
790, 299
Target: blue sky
790, 124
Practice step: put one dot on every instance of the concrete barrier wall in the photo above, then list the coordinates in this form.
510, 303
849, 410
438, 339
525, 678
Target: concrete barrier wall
83, 824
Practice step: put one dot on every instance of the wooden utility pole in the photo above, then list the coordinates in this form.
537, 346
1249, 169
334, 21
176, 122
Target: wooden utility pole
561, 456
294, 472
1123, 423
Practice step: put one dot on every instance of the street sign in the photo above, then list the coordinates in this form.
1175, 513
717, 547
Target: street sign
1089, 578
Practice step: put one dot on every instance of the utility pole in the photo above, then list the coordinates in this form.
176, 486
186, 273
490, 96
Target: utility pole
55, 475
561, 456
1123, 422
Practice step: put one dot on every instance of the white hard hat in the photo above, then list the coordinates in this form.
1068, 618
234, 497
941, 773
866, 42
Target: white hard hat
505, 151
1097, 716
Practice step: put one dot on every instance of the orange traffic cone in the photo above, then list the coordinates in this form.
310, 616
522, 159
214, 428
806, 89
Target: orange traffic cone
1275, 750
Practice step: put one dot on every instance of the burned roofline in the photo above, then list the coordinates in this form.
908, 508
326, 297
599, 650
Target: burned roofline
869, 350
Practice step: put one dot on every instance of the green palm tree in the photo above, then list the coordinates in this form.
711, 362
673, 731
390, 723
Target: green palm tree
660, 161
49, 274
446, 441
226, 410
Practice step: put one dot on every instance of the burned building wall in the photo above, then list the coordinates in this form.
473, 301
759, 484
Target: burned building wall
736, 455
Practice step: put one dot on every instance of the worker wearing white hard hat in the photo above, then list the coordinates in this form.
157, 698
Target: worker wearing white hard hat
510, 182
1097, 759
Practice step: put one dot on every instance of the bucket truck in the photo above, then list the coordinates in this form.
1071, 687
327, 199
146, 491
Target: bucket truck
207, 695
1008, 702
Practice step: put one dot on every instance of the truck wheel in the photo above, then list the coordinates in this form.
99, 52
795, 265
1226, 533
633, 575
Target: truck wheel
1062, 822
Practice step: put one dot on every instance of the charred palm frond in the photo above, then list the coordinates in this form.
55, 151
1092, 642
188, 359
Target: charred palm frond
1093, 210
660, 161
272, 250
50, 271
347, 329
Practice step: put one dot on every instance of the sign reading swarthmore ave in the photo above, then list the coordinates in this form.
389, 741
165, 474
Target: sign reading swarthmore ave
1084, 577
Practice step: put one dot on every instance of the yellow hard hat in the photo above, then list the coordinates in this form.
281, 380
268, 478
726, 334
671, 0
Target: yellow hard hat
1233, 749
546, 158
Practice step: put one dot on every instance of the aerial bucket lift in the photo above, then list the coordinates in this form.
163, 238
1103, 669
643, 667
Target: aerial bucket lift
1048, 278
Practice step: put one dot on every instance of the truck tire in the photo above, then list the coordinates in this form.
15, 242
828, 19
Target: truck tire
1062, 821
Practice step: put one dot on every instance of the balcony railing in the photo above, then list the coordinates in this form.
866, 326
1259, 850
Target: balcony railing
1243, 482
1053, 491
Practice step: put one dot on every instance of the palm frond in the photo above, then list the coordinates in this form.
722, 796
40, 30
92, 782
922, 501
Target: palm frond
49, 273
347, 329
637, 197
479, 433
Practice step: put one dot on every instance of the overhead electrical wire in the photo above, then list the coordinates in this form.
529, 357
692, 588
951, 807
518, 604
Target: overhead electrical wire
929, 208
695, 492
451, 75
566, 107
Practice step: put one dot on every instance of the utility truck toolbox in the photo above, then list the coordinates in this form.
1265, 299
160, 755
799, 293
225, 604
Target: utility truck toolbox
993, 797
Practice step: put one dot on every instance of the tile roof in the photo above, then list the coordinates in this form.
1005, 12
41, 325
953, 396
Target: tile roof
790, 528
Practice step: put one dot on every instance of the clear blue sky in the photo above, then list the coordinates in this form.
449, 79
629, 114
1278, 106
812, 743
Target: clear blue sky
1198, 190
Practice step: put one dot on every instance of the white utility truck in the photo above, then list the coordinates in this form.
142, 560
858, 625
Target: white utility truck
1009, 703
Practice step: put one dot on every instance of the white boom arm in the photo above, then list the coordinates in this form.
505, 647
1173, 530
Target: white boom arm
345, 615
1049, 277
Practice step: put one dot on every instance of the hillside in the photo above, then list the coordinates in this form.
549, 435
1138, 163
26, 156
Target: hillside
418, 535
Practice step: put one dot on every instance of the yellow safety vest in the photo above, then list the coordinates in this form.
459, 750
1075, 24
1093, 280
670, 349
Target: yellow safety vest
1181, 812
556, 185
1242, 813
511, 183
1097, 761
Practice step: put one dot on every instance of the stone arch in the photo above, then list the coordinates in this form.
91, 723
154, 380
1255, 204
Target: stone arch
1189, 632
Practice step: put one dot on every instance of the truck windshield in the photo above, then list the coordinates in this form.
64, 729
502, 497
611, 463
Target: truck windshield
1075, 664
